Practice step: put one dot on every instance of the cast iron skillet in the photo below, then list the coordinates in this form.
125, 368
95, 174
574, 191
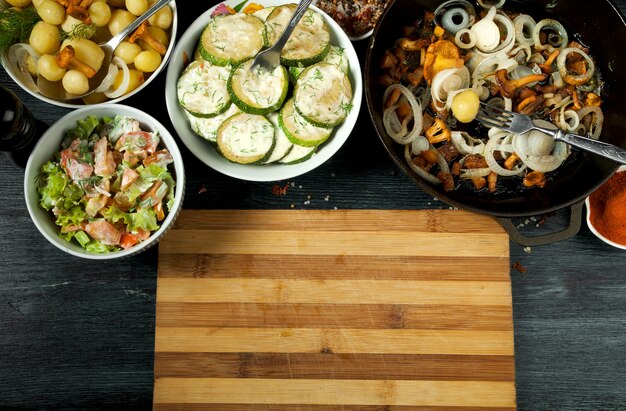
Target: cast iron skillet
584, 172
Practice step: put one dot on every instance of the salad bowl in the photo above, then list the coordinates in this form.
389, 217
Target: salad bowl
47, 149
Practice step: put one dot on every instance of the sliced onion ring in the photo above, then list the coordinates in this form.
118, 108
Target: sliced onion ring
448, 19
575, 80
458, 39
595, 129
524, 24
467, 144
419, 170
447, 81
397, 130
552, 24
509, 41
567, 120
107, 82
125, 80
490, 148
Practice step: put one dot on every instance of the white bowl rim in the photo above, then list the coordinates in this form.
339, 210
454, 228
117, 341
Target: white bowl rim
58, 130
362, 36
263, 172
621, 169
168, 53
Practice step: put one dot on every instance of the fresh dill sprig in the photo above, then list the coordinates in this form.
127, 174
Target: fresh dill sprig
16, 25
80, 30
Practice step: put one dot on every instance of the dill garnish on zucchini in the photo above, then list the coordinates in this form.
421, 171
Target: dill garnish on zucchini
16, 25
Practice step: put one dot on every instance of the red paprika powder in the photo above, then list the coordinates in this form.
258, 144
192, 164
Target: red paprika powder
608, 209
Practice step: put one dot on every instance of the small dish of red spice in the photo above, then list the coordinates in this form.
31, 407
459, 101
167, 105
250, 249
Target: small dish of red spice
606, 210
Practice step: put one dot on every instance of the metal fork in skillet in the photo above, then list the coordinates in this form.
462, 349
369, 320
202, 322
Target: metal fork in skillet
517, 123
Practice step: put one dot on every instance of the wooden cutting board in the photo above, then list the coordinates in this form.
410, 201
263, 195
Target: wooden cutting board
343, 309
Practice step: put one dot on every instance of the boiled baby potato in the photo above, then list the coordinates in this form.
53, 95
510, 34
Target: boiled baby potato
44, 38
127, 51
147, 61
137, 7
100, 13
75, 82
48, 67
51, 12
162, 18
120, 19
86, 51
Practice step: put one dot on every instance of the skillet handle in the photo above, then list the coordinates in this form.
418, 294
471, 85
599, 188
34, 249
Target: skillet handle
576, 212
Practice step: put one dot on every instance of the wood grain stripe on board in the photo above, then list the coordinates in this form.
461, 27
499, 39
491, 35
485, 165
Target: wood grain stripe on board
335, 366
330, 392
442, 221
311, 407
339, 267
294, 242
333, 291
372, 316
303, 340
316, 310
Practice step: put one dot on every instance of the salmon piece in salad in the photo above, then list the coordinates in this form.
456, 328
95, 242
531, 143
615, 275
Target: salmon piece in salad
109, 186
105, 162
104, 232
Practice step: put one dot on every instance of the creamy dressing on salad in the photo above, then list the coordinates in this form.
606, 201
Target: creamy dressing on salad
109, 187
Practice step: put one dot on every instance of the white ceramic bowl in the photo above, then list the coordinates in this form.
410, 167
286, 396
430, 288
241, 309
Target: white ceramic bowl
18, 80
622, 169
50, 143
268, 172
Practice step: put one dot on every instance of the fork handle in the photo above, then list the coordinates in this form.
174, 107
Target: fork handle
600, 148
297, 15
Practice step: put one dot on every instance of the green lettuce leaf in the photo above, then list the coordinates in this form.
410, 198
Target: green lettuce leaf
58, 190
114, 214
97, 247
144, 219
84, 128
72, 216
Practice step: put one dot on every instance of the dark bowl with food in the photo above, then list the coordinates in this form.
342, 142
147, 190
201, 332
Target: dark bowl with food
580, 173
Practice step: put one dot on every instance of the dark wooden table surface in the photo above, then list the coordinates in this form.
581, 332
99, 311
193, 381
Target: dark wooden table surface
80, 334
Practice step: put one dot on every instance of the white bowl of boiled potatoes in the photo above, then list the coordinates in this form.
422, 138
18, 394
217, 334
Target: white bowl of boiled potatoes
84, 26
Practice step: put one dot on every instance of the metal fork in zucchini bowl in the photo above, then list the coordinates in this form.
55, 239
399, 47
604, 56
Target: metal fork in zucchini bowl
270, 59
517, 123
